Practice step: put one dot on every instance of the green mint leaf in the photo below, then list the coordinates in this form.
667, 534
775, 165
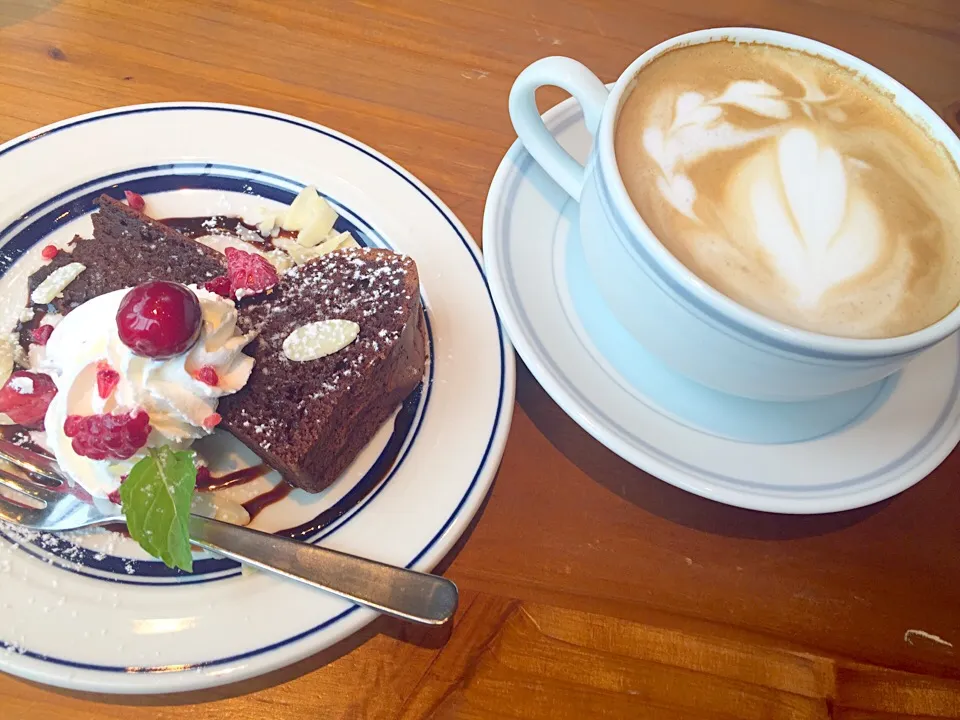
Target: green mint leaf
156, 498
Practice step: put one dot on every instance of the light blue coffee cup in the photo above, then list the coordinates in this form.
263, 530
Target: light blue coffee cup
677, 317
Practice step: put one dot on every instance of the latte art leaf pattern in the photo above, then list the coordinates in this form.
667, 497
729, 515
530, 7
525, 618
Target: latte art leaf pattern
698, 129
795, 188
816, 234
798, 205
756, 96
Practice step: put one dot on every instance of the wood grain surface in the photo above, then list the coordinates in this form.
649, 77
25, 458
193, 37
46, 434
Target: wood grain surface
590, 589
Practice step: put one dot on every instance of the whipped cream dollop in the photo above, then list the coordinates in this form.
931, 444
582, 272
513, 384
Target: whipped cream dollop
168, 390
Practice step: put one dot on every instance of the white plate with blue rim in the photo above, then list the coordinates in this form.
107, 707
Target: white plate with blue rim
90, 611
776, 457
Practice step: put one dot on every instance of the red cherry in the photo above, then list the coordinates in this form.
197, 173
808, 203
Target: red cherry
159, 319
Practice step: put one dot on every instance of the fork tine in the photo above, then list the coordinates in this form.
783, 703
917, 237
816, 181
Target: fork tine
24, 486
20, 514
60, 511
31, 461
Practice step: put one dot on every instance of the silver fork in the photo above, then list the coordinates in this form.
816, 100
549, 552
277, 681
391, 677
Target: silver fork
406, 594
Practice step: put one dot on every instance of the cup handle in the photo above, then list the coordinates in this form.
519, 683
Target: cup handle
577, 80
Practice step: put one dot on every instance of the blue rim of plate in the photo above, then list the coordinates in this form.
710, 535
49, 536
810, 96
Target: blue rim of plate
522, 162
497, 421
36, 224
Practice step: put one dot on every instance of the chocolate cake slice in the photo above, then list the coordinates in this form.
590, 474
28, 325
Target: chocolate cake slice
309, 420
128, 248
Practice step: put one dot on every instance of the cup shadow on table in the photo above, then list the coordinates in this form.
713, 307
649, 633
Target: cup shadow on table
431, 638
660, 498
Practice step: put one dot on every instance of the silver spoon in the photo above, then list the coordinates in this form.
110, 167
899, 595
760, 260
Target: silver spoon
405, 594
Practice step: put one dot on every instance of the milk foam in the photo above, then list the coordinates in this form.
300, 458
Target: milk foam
795, 188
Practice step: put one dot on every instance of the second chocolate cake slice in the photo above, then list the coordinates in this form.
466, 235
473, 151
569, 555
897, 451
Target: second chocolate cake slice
309, 420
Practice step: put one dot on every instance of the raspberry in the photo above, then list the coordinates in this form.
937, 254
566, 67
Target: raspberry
27, 408
100, 437
114, 496
49, 252
219, 285
72, 425
249, 273
107, 379
41, 334
135, 200
212, 420
208, 374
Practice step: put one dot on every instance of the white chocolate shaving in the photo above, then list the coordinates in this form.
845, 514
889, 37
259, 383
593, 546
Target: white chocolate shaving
319, 226
280, 260
319, 339
56, 282
300, 254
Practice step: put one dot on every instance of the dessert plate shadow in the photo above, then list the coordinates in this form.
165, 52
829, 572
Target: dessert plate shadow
90, 611
826, 456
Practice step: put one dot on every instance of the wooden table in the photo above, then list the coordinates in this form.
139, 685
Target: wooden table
589, 589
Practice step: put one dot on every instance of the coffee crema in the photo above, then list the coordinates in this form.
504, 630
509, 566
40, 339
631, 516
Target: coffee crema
794, 187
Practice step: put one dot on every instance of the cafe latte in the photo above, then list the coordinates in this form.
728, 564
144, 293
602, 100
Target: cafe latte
794, 187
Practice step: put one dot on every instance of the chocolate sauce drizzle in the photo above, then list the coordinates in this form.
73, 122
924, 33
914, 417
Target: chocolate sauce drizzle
209, 483
24, 330
226, 225
261, 502
367, 484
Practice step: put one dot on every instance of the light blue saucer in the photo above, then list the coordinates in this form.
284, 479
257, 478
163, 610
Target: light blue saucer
818, 457
686, 401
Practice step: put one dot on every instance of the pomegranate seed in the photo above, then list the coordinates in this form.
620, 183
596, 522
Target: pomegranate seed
41, 334
204, 478
107, 379
135, 200
50, 252
219, 285
212, 420
208, 374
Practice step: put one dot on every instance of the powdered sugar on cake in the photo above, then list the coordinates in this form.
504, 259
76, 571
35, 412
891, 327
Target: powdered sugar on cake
370, 288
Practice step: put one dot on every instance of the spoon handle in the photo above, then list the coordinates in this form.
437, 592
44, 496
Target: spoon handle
406, 594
